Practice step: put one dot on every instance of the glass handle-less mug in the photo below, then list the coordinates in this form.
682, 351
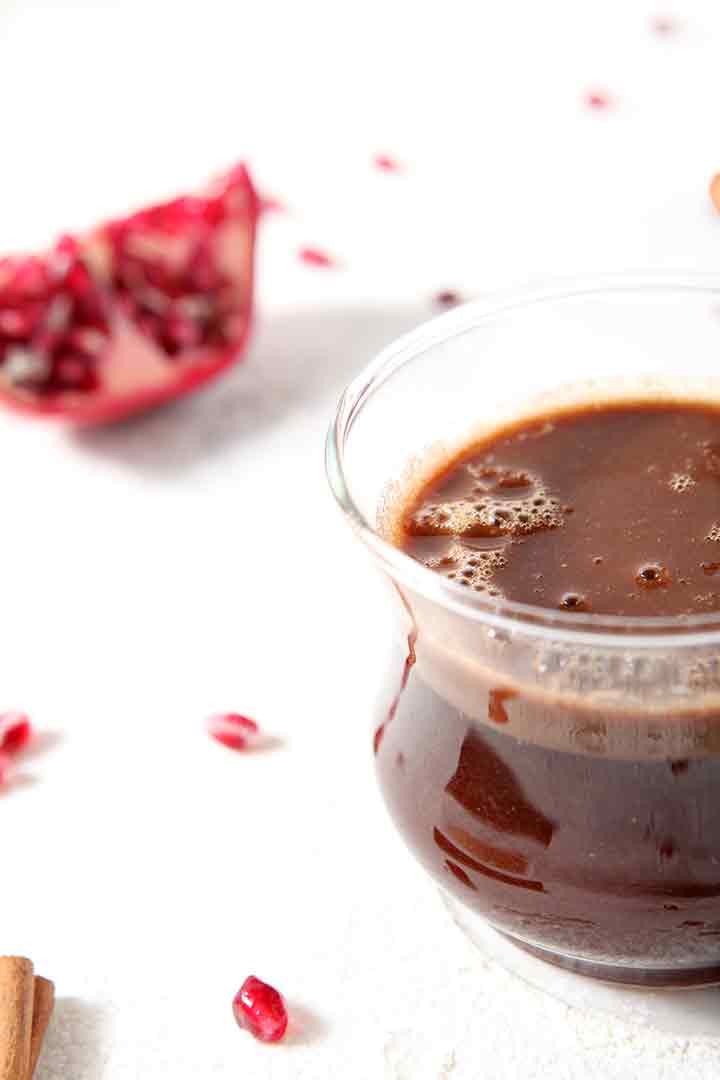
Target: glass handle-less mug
558, 773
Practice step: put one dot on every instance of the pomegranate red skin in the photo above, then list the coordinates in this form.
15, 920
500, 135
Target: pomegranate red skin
7, 770
15, 732
316, 257
261, 1010
183, 378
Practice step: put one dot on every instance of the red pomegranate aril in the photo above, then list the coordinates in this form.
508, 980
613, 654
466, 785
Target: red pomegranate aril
386, 163
74, 372
315, 257
140, 311
23, 277
67, 307
261, 1010
202, 273
597, 99
663, 24
15, 732
448, 298
154, 273
19, 324
85, 340
181, 332
233, 730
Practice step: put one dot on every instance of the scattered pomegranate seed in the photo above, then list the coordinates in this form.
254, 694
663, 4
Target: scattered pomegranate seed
233, 730
663, 24
315, 257
260, 1009
387, 163
15, 732
597, 99
448, 298
7, 770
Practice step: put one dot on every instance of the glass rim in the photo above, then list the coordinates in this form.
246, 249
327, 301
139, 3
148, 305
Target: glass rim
502, 615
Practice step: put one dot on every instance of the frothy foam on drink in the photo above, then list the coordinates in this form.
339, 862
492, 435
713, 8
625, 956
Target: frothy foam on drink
497, 505
680, 482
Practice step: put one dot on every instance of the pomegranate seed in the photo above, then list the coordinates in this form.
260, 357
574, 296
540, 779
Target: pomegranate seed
448, 298
385, 162
18, 324
180, 332
233, 730
597, 99
30, 279
203, 274
260, 1009
74, 372
15, 732
7, 770
315, 257
663, 24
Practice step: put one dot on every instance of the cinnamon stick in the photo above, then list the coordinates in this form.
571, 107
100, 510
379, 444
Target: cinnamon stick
16, 1010
43, 1002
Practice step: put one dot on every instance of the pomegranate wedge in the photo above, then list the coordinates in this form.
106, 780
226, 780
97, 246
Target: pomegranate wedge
139, 311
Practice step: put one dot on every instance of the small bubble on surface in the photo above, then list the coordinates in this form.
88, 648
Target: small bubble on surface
652, 576
572, 601
681, 482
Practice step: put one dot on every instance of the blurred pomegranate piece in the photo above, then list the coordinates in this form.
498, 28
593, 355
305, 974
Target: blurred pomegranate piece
15, 732
7, 770
138, 312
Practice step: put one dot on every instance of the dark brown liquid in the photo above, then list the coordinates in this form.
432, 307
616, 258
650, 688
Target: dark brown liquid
613, 511
534, 807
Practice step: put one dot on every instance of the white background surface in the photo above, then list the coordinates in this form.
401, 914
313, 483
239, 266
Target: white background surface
192, 561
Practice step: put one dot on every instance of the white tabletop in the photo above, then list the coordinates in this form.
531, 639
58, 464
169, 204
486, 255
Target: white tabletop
192, 561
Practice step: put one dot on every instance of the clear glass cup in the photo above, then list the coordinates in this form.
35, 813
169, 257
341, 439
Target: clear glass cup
558, 773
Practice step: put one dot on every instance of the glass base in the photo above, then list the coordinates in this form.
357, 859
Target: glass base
630, 995
634, 977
